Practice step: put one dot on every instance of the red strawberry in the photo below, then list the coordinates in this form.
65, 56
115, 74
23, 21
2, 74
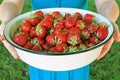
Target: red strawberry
73, 39
88, 18
52, 49
41, 41
93, 40
36, 48
70, 22
26, 26
61, 38
60, 47
92, 28
40, 31
46, 23
75, 30
103, 25
78, 15
39, 14
33, 21
102, 33
67, 15
46, 46
48, 17
59, 24
28, 45
85, 34
50, 39
82, 46
80, 24
20, 39
35, 42
57, 15
26, 34
33, 32
57, 31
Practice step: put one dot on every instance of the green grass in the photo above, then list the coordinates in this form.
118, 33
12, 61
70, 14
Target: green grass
107, 68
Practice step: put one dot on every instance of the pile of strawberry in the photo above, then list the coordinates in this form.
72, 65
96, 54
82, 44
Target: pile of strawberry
58, 33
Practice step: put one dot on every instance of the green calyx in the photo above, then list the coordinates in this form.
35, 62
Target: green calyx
73, 40
32, 15
72, 49
96, 40
38, 30
51, 31
56, 40
35, 42
82, 26
85, 35
103, 24
81, 47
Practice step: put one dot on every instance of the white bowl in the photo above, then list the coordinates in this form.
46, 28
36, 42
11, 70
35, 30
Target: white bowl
57, 62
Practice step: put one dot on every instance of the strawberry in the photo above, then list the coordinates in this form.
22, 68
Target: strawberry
20, 39
40, 31
60, 47
102, 33
70, 22
41, 41
93, 40
92, 27
67, 15
57, 31
26, 34
33, 32
61, 38
35, 42
80, 24
59, 24
78, 15
45, 46
39, 14
26, 26
74, 30
85, 34
46, 22
88, 18
52, 49
50, 39
36, 48
33, 21
82, 46
103, 25
73, 39
28, 45
57, 15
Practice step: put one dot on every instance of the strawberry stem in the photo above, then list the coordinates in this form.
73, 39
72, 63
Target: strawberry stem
32, 15
73, 40
81, 47
38, 29
56, 40
35, 42
72, 49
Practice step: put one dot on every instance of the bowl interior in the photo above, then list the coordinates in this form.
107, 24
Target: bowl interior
12, 26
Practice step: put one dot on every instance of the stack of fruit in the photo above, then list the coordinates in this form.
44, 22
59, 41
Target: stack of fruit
57, 33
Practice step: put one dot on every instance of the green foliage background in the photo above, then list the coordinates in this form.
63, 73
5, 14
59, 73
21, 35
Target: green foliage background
107, 68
